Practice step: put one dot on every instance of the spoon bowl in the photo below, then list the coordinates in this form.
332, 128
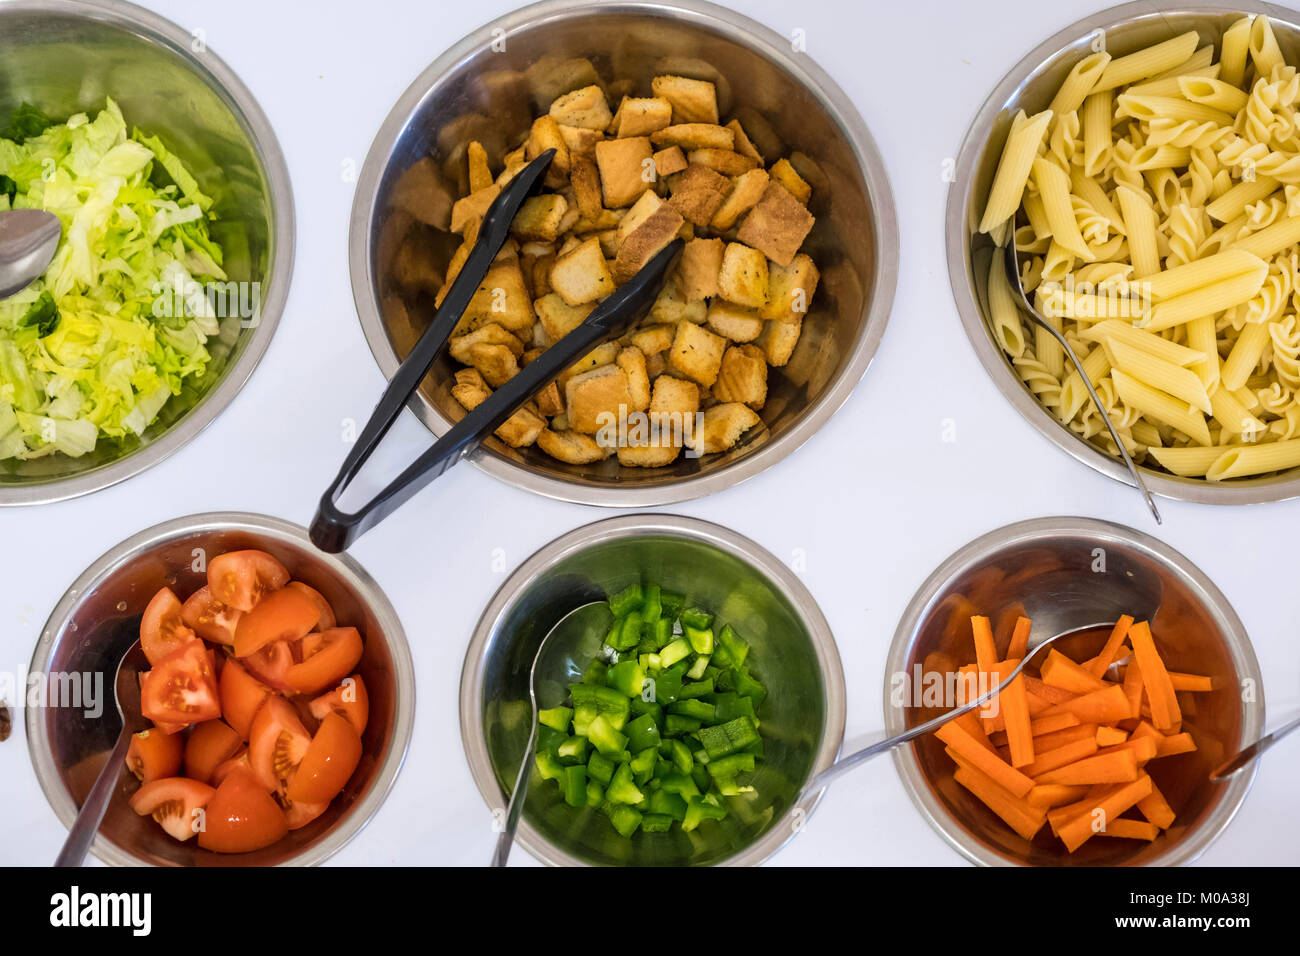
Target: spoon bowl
28, 240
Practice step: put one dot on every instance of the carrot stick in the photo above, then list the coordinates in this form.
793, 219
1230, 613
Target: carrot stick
1155, 808
970, 722
964, 743
1100, 707
1059, 671
1191, 682
1131, 829
1155, 679
1143, 748
1118, 633
1015, 812
1133, 688
1019, 645
1175, 744
1053, 695
1118, 767
1079, 829
1069, 735
986, 651
1060, 756
1015, 705
1109, 736
1040, 726
1049, 795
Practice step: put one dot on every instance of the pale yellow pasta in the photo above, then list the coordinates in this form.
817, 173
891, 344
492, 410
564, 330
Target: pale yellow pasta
1264, 51
1269, 242
1096, 132
1079, 83
1245, 354
1115, 331
1007, 326
1234, 51
1222, 295
1216, 94
1147, 63
1189, 461
1018, 156
1232, 203
1054, 187
1155, 372
1229, 411
1140, 226
1089, 190
1242, 461
1200, 273
1147, 108
1162, 407
1202, 340
1074, 395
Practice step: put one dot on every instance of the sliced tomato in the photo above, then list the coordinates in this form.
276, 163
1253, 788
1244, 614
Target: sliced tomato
271, 664
242, 816
240, 578
224, 769
328, 763
175, 803
326, 658
181, 688
162, 629
154, 755
209, 618
298, 814
241, 695
277, 743
327, 619
349, 699
211, 744
284, 615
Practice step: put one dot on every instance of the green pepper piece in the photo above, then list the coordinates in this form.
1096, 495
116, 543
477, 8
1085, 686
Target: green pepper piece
699, 810
658, 632
736, 647
622, 788
731, 705
695, 689
595, 673
600, 767
604, 737
724, 739
651, 606
626, 600
731, 765
549, 766
557, 718
626, 677
656, 823
671, 604
699, 670
681, 756
575, 785
746, 686
675, 724
643, 765
699, 709
642, 733
701, 639
697, 618
668, 684
573, 748
549, 739
609, 703
655, 710
681, 784
669, 804
595, 794
624, 818
674, 651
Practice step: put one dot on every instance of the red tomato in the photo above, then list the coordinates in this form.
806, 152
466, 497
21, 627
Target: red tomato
328, 763
241, 695
224, 769
210, 619
327, 619
349, 699
181, 688
299, 814
240, 578
284, 615
241, 816
154, 755
326, 658
162, 629
271, 664
277, 743
174, 802
211, 743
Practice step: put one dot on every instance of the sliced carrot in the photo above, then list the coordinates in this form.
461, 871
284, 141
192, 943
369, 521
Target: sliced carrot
1098, 665
1133, 688
982, 759
1109, 736
1175, 744
1079, 829
1100, 707
986, 651
1053, 695
1040, 726
1049, 795
1015, 706
1059, 671
1190, 682
1131, 829
1143, 748
1014, 811
1060, 756
1118, 767
1069, 735
1019, 645
1155, 808
1155, 679
970, 721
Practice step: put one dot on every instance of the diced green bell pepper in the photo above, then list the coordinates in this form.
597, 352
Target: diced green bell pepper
624, 818
651, 607
700, 639
699, 669
604, 737
699, 810
681, 784
626, 677
622, 788
746, 686
656, 823
671, 804
668, 683
573, 750
626, 600
557, 718
643, 765
674, 651
724, 739
575, 785
600, 767
697, 618
681, 756
696, 688
699, 709
677, 724
731, 765
549, 766
642, 733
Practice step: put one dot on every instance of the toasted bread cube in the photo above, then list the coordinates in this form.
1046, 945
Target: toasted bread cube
725, 161
778, 340
734, 322
669, 161
646, 241
722, 427
581, 142
480, 174
626, 169
657, 364
783, 173
746, 190
597, 399
671, 306
699, 267
549, 402
743, 277
790, 289
640, 116
581, 275
632, 361
570, 447
470, 389
539, 218
552, 76
558, 318
743, 376
497, 363
640, 211
585, 180
694, 136
545, 134
674, 396
522, 428
698, 193
693, 101
697, 353
471, 208
501, 298
648, 455
491, 334
605, 219
585, 108
777, 226
654, 339
743, 144
657, 442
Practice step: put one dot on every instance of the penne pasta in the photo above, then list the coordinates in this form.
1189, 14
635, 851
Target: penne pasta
1148, 63
1013, 169
1162, 407
1242, 461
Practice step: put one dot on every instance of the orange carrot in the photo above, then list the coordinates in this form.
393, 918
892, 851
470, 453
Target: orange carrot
1019, 645
1143, 748
1190, 682
1060, 756
971, 723
1069, 735
1100, 707
1059, 671
1155, 808
1131, 829
1079, 829
964, 743
1155, 679
1118, 767
1048, 795
1175, 744
1053, 695
1015, 705
986, 651
1099, 664
1041, 726
1109, 736
1015, 812
1133, 688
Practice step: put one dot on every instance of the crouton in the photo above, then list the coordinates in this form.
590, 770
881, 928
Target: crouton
790, 290
743, 376
472, 207
608, 240
545, 134
646, 241
698, 193
490, 334
721, 427
580, 141
648, 455
552, 76
694, 136
746, 190
597, 399
743, 276
581, 276
497, 363
585, 180
693, 101
669, 161
570, 447
549, 402
632, 361
777, 226
700, 265
539, 218
778, 340
640, 211
743, 144
734, 322
559, 318
639, 116
522, 428
783, 173
470, 389
626, 169
605, 219
585, 108
725, 161
674, 396
654, 339
501, 298
697, 353
480, 174
670, 306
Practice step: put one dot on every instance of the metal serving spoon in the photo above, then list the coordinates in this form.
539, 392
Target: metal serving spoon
126, 691
576, 636
1246, 757
1012, 261
28, 240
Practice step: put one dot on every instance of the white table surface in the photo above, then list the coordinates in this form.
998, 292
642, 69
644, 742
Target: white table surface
326, 74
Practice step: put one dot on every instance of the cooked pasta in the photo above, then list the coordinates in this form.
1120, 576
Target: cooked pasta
1156, 208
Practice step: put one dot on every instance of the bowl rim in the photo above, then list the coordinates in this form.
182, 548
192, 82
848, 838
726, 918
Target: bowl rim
764, 41
660, 525
249, 114
961, 281
1237, 642
287, 532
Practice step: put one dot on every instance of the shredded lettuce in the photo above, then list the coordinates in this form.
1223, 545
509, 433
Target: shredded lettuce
85, 353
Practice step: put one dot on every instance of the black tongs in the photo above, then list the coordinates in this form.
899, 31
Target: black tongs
332, 529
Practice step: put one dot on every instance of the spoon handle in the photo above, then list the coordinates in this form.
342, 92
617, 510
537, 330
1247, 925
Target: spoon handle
507, 838
91, 814
1248, 755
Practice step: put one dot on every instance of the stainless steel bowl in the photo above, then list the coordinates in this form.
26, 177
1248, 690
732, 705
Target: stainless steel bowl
1198, 631
794, 654
482, 88
66, 56
1030, 86
99, 617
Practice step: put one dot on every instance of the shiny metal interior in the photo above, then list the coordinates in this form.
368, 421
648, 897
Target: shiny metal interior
793, 654
1030, 86
67, 56
1025, 568
489, 87
98, 619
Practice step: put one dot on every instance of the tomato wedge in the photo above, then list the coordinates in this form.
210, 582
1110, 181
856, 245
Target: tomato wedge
284, 615
162, 629
239, 760
277, 743
349, 699
271, 664
327, 619
211, 743
241, 816
174, 802
326, 658
209, 618
328, 763
241, 695
181, 688
154, 755
298, 814
240, 578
